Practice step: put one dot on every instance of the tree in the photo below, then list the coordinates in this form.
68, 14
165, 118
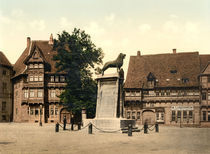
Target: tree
78, 57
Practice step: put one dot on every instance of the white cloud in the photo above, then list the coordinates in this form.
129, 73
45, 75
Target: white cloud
38, 24
171, 26
17, 13
94, 29
173, 16
144, 28
65, 23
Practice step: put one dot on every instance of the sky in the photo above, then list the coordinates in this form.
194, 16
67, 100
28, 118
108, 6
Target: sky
127, 26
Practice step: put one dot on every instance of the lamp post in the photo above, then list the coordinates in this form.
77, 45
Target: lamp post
40, 114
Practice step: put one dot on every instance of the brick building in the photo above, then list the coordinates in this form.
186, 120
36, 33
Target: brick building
172, 88
37, 85
5, 89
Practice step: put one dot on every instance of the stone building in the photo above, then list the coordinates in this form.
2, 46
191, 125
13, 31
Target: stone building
37, 85
5, 89
171, 89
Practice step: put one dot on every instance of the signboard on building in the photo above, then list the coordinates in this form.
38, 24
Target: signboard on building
182, 108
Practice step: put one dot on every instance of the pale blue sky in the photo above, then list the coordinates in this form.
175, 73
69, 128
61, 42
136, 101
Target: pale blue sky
151, 26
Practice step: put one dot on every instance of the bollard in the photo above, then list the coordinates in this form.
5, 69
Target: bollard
129, 130
40, 124
72, 126
57, 127
145, 128
79, 126
90, 129
156, 128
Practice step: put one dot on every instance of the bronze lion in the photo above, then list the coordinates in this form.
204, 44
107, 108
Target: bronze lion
116, 63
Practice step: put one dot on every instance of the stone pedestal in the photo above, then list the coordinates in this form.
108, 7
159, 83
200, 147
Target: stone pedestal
109, 109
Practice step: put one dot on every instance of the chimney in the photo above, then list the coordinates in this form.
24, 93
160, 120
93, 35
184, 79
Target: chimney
138, 53
51, 39
28, 41
174, 51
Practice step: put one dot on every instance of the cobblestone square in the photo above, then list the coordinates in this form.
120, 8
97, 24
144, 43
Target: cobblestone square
31, 138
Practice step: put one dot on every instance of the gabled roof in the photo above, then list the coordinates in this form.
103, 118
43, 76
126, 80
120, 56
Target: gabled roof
4, 61
45, 49
204, 61
170, 70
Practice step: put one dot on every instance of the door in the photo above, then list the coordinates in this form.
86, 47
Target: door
65, 112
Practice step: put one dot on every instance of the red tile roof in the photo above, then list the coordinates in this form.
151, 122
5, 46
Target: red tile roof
4, 61
47, 51
162, 66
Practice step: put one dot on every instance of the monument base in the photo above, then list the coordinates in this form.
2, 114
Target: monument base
112, 124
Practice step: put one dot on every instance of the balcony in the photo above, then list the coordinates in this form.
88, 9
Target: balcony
56, 84
170, 98
132, 98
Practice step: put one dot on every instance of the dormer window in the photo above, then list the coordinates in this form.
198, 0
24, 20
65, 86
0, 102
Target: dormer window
31, 66
40, 65
52, 78
56, 78
185, 80
62, 78
35, 65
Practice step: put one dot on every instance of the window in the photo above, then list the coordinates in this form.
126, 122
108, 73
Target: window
25, 93
185, 114
138, 115
31, 66
16, 110
62, 78
208, 79
4, 72
36, 111
40, 93
31, 111
35, 65
162, 93
56, 110
157, 115
52, 78
157, 93
162, 116
40, 65
51, 110
208, 96
190, 114
3, 117
31, 78
173, 115
203, 96
133, 115
32, 93
35, 78
52, 93
3, 106
168, 93
128, 115
40, 78
56, 78
179, 114
4, 87
28, 110
208, 115
204, 115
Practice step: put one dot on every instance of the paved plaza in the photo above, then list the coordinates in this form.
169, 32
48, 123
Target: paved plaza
31, 138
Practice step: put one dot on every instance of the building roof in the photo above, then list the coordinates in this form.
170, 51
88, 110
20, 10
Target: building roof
169, 70
47, 52
4, 61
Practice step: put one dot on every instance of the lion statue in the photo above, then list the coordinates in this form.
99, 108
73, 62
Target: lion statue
116, 63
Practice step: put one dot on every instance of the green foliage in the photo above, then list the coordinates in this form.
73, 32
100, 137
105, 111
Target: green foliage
77, 56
